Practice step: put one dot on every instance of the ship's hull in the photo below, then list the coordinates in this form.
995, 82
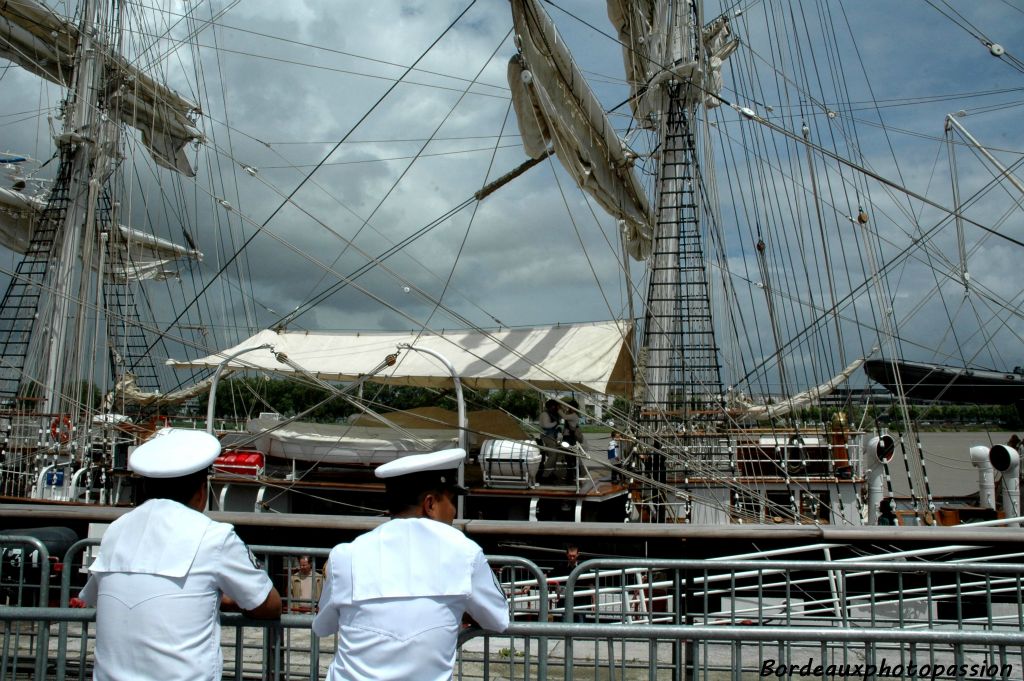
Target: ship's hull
959, 385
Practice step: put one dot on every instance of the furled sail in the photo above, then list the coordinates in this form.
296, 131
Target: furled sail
140, 256
744, 411
127, 388
135, 255
18, 215
717, 47
554, 105
650, 56
35, 38
634, 19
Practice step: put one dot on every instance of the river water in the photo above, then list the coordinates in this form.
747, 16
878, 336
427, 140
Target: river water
947, 462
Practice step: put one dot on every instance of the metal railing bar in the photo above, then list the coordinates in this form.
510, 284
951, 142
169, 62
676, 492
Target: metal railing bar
43, 633
826, 607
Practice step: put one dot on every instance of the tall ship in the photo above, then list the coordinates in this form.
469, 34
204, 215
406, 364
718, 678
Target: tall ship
336, 237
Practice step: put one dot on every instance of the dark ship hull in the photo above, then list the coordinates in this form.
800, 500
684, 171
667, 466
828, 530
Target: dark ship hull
923, 381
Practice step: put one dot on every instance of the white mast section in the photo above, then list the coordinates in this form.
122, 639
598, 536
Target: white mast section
83, 142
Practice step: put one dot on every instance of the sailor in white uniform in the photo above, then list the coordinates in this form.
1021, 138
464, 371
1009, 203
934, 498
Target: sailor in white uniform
164, 570
396, 596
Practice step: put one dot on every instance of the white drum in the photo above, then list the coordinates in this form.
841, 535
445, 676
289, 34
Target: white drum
509, 463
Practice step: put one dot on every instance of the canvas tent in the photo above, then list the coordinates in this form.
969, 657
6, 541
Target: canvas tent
593, 358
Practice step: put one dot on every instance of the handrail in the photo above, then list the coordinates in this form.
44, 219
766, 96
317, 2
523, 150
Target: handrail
678, 585
11, 613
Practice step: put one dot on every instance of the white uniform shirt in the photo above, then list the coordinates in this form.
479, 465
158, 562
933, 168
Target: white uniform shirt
157, 584
396, 595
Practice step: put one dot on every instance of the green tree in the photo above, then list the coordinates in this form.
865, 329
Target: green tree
523, 404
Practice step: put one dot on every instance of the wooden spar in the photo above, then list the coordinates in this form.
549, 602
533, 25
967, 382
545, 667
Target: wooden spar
492, 187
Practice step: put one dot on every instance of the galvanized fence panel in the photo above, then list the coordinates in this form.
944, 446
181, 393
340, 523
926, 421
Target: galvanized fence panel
614, 619
25, 569
813, 601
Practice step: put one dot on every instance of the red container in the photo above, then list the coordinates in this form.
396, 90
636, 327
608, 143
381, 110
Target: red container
249, 463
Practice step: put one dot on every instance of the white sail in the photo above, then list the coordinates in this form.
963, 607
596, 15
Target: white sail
633, 19
554, 105
717, 48
144, 256
137, 256
40, 41
18, 214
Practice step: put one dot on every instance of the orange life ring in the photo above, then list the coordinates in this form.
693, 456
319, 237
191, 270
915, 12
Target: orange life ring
60, 428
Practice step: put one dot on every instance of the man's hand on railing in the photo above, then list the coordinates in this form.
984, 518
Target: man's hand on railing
77, 603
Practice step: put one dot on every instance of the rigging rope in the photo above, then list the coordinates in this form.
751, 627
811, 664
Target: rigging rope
322, 295
288, 199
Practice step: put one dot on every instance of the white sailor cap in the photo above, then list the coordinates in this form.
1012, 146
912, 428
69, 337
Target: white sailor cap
436, 469
174, 453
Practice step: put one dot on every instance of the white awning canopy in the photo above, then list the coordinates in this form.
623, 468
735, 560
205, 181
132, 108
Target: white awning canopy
591, 358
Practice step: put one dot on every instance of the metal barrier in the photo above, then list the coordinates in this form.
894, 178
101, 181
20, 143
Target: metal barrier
25, 580
252, 648
620, 619
961, 619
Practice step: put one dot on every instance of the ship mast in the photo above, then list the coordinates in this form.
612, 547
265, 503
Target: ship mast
680, 379
54, 299
683, 381
87, 142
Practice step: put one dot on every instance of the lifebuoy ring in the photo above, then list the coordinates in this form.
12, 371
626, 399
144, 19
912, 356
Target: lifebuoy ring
60, 428
796, 457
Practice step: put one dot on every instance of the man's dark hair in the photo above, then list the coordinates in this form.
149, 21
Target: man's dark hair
408, 491
401, 498
180, 489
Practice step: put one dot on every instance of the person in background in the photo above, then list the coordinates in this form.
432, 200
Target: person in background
570, 413
397, 595
886, 514
613, 453
550, 421
572, 559
572, 435
305, 586
550, 437
164, 571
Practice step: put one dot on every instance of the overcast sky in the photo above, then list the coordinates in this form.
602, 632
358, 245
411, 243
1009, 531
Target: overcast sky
285, 82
